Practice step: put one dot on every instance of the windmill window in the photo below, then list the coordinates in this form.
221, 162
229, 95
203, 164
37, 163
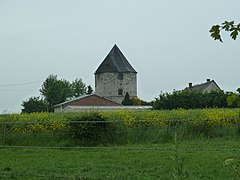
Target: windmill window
120, 76
120, 92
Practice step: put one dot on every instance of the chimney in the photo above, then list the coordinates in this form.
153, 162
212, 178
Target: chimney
190, 85
208, 80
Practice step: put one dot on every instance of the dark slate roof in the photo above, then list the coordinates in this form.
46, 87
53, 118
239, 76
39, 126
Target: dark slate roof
115, 62
203, 86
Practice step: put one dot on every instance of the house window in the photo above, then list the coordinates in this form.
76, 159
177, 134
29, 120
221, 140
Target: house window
120, 92
120, 77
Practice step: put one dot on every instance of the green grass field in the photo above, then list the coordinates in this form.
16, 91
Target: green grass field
123, 162
179, 144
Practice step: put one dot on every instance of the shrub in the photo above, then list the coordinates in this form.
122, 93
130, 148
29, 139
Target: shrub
90, 129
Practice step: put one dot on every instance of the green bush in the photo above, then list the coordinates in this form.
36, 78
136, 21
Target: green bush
91, 129
191, 100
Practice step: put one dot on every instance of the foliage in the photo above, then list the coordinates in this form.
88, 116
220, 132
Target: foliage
35, 122
234, 99
55, 91
189, 123
146, 103
190, 100
228, 26
91, 128
159, 118
89, 89
136, 101
127, 101
78, 88
119, 127
34, 104
97, 163
179, 169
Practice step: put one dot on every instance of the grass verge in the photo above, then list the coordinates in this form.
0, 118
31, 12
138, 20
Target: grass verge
122, 162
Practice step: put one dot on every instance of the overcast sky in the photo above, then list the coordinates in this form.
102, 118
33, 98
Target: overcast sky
167, 42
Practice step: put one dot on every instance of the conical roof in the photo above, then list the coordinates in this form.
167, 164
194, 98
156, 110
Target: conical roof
115, 62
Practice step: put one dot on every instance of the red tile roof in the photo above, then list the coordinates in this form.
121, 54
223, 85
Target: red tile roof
89, 100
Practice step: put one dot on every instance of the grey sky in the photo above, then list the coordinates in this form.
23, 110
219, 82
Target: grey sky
167, 42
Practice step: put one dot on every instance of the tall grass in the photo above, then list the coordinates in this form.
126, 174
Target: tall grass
118, 127
114, 134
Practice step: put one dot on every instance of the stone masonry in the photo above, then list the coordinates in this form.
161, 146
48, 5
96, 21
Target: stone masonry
115, 77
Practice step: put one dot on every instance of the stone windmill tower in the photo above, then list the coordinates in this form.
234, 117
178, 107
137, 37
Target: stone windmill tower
115, 77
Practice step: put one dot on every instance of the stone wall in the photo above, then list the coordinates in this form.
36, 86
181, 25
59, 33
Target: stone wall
114, 86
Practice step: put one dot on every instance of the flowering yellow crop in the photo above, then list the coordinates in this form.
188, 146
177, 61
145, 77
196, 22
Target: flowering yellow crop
37, 122
163, 118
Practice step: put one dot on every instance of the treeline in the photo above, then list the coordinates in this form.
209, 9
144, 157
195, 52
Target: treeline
55, 91
189, 99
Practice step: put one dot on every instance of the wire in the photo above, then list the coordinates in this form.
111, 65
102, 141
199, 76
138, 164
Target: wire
19, 84
17, 90
235, 120
125, 148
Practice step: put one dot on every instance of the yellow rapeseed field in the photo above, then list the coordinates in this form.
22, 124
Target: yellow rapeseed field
159, 118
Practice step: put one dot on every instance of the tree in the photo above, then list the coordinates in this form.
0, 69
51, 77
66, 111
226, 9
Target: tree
234, 99
136, 101
127, 101
55, 91
67, 90
34, 104
89, 90
228, 26
189, 99
146, 103
79, 88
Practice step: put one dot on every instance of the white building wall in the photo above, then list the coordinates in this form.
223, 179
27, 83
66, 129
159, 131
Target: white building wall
109, 85
212, 87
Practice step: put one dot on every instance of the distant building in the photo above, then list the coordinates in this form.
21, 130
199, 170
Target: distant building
208, 86
86, 101
115, 77
93, 102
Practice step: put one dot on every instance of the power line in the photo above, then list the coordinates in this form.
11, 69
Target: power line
125, 148
19, 84
18, 90
234, 120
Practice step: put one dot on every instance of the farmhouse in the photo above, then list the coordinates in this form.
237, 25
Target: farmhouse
208, 86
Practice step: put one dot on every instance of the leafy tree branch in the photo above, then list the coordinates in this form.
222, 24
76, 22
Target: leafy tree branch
228, 26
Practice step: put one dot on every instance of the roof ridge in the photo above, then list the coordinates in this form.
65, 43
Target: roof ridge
203, 83
115, 61
74, 99
85, 96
